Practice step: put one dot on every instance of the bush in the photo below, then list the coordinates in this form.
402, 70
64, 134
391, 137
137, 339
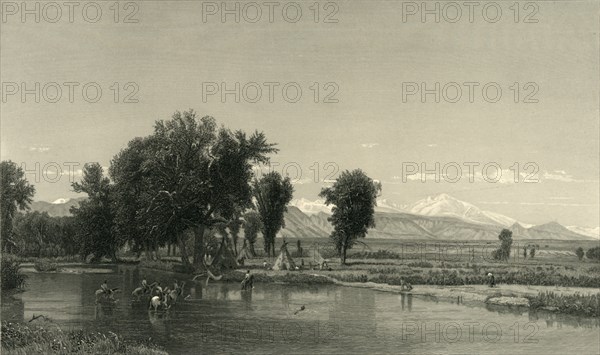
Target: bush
44, 265
576, 304
11, 276
422, 264
593, 254
47, 338
379, 254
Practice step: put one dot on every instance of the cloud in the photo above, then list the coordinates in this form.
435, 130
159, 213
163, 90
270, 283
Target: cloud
537, 203
302, 181
563, 176
369, 145
39, 149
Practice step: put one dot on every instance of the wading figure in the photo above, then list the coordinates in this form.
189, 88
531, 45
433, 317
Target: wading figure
144, 289
104, 293
248, 281
172, 296
158, 301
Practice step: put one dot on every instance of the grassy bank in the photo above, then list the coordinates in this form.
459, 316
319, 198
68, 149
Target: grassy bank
576, 304
45, 337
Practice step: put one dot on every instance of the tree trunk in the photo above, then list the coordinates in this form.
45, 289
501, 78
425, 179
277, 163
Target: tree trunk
168, 249
184, 257
199, 245
147, 250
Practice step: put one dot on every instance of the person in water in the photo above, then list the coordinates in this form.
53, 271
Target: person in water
159, 289
104, 287
248, 281
405, 286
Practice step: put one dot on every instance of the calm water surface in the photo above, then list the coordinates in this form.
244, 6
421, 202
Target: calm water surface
221, 318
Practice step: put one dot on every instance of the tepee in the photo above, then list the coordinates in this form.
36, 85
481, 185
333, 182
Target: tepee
316, 258
224, 258
284, 260
244, 254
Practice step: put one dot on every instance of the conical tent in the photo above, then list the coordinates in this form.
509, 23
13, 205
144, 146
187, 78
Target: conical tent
284, 260
244, 254
225, 258
315, 258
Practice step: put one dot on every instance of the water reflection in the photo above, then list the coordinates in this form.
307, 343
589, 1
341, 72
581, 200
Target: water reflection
406, 298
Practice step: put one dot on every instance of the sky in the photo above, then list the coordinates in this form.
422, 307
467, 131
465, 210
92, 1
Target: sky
537, 118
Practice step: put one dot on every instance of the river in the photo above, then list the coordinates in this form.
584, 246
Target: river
221, 318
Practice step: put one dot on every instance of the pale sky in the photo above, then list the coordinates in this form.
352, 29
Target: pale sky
368, 55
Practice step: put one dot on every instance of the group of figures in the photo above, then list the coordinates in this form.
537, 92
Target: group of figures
157, 296
154, 294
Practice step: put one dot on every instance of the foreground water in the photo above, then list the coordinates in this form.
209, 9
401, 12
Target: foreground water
221, 318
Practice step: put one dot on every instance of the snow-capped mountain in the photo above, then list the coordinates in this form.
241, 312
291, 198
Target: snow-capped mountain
386, 206
590, 232
313, 207
310, 207
446, 205
60, 201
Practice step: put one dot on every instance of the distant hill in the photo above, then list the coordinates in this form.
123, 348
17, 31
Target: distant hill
435, 217
438, 217
58, 208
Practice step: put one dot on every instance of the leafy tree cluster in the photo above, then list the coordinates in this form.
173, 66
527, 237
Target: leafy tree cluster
185, 180
503, 253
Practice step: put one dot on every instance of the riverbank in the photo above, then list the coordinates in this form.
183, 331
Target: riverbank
582, 301
42, 336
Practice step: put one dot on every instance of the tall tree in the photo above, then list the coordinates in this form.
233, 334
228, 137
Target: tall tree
272, 194
503, 253
196, 176
15, 194
579, 252
131, 197
354, 197
94, 216
252, 225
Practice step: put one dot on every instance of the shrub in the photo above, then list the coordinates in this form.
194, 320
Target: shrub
47, 338
11, 276
593, 254
576, 304
379, 254
422, 264
44, 265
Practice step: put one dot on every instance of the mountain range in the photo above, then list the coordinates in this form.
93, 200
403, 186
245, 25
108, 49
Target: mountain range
435, 217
